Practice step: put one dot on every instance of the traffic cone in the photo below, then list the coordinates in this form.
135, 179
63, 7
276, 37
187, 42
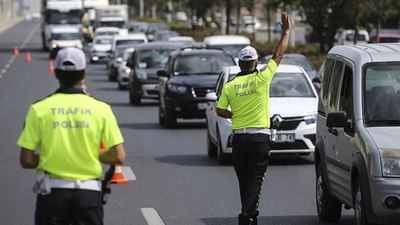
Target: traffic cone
28, 57
16, 51
51, 70
118, 177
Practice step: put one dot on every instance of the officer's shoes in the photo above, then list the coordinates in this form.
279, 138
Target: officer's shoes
246, 220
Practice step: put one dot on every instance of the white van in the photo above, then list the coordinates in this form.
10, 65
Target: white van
230, 43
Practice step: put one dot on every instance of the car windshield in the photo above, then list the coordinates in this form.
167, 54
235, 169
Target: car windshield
201, 64
232, 49
103, 41
108, 33
129, 41
153, 58
119, 24
298, 62
57, 17
119, 52
127, 54
382, 95
290, 85
65, 36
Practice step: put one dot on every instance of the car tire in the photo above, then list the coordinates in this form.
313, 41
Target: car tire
223, 157
170, 119
329, 208
360, 213
211, 147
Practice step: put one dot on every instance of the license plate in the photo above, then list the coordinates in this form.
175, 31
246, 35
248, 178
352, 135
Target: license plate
201, 106
285, 138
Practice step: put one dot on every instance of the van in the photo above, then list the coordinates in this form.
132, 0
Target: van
230, 43
346, 37
357, 154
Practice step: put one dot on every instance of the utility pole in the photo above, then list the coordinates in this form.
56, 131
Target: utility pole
141, 8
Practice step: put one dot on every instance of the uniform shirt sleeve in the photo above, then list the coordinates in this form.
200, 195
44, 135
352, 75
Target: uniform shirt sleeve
111, 134
268, 71
30, 136
223, 101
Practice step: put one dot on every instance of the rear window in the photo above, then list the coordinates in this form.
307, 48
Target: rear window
290, 85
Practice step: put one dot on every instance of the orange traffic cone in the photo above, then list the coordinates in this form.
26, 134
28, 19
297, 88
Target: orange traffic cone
51, 70
16, 51
118, 177
28, 57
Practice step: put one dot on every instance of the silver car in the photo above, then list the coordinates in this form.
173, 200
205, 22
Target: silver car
357, 155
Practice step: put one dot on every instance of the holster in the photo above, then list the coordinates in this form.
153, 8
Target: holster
106, 184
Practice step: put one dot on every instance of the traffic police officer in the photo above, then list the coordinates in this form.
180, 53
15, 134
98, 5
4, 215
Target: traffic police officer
248, 96
66, 128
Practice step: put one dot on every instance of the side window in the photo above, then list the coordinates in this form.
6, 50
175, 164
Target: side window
346, 98
334, 86
220, 84
329, 63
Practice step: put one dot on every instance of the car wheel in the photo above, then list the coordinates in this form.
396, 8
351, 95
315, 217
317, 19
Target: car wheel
360, 213
170, 119
211, 148
161, 118
223, 158
329, 208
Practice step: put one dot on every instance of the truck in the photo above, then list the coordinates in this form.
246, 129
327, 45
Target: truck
59, 12
112, 16
90, 16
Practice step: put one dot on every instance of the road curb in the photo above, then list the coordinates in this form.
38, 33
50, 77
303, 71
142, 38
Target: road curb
7, 24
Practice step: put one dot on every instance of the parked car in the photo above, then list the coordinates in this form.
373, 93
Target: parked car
145, 61
230, 43
64, 36
189, 75
114, 59
297, 60
100, 48
292, 96
357, 154
123, 70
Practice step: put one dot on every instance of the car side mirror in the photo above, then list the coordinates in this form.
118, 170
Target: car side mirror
162, 73
212, 96
336, 119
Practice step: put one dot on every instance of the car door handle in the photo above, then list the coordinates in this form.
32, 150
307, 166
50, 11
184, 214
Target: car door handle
333, 131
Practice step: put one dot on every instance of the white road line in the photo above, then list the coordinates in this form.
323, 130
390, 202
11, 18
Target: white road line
28, 38
151, 216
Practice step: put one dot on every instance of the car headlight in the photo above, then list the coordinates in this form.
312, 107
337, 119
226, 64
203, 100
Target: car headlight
127, 70
54, 45
310, 118
141, 75
390, 162
177, 88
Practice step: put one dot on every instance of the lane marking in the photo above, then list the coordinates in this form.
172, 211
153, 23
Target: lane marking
151, 216
28, 38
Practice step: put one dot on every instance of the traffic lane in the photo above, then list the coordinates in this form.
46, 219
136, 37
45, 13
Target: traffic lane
184, 186
23, 84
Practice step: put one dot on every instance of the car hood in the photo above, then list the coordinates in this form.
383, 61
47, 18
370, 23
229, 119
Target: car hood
293, 107
195, 80
101, 48
385, 137
69, 43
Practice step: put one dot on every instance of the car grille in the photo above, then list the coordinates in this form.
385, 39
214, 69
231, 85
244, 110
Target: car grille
296, 145
200, 92
290, 123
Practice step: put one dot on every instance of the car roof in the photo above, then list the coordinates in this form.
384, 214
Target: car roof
130, 36
158, 45
183, 38
65, 29
226, 40
365, 53
199, 51
107, 29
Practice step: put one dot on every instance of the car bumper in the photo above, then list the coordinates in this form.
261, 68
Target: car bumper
98, 57
188, 109
382, 188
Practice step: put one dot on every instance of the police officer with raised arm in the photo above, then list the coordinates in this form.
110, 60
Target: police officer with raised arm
61, 140
248, 97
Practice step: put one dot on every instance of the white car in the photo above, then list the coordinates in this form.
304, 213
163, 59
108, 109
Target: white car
292, 96
64, 36
100, 48
106, 31
230, 43
184, 40
132, 39
123, 70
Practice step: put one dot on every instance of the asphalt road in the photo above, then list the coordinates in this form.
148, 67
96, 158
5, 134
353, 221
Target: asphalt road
176, 183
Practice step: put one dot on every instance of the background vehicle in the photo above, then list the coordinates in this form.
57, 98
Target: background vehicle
114, 59
100, 48
109, 31
64, 36
292, 96
346, 37
146, 60
112, 16
230, 43
59, 12
189, 75
357, 147
186, 41
123, 70
297, 60
132, 39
